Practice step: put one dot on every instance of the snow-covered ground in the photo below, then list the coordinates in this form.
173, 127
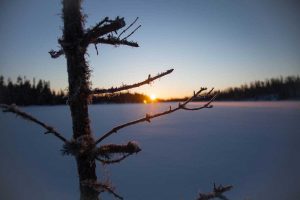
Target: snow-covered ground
252, 145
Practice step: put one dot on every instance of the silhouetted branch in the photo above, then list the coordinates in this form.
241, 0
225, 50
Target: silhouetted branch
128, 27
132, 32
148, 117
107, 161
107, 151
115, 41
207, 105
127, 87
216, 193
13, 109
110, 190
56, 54
100, 187
99, 30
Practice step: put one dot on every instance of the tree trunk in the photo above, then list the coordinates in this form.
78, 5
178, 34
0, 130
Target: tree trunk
78, 77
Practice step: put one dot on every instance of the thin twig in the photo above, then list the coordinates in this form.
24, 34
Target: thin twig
128, 27
127, 87
207, 105
148, 117
216, 193
100, 187
13, 109
110, 190
132, 32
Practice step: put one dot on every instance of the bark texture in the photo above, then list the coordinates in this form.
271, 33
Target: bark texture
78, 77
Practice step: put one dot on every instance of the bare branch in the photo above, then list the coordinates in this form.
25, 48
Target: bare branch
106, 161
127, 87
56, 54
207, 105
216, 193
128, 27
110, 190
132, 32
148, 117
105, 150
100, 29
100, 187
106, 19
115, 41
108, 151
13, 109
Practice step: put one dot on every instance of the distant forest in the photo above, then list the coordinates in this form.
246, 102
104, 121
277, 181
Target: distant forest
271, 89
25, 92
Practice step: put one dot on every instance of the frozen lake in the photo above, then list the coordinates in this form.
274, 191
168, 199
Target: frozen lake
255, 146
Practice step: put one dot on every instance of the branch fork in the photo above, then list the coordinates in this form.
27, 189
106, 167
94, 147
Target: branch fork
105, 153
148, 117
216, 193
102, 33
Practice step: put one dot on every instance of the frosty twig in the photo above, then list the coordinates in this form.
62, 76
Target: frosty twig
13, 109
105, 152
148, 117
104, 27
127, 87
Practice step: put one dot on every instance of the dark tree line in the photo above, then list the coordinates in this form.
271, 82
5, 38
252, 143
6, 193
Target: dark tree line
121, 98
270, 89
23, 92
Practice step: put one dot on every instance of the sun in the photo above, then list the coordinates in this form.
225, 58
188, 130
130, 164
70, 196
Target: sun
153, 97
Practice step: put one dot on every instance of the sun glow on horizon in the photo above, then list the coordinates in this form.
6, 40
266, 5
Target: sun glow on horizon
153, 97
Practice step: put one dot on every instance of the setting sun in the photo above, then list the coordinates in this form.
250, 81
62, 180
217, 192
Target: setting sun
153, 97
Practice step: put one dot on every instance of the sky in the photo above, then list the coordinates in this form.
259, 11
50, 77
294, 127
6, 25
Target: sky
209, 43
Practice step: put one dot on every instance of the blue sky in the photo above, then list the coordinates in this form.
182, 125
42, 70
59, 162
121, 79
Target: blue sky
212, 43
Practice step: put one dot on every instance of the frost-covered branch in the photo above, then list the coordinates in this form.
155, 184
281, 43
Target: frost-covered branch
206, 105
13, 109
130, 147
113, 161
148, 117
102, 28
216, 193
105, 153
115, 41
102, 33
127, 87
56, 54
